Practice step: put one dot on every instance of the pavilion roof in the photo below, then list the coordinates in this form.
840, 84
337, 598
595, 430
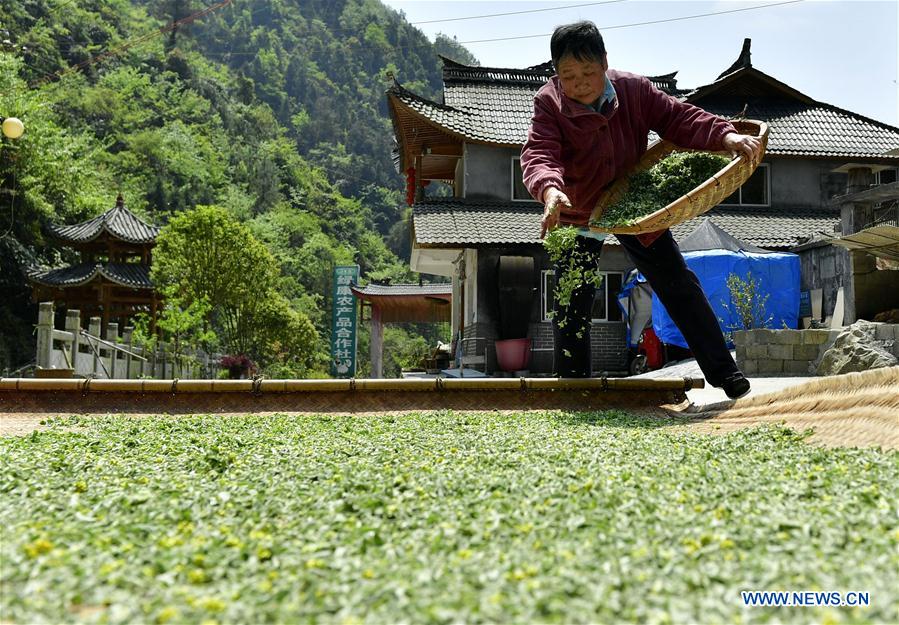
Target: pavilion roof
132, 275
119, 222
408, 302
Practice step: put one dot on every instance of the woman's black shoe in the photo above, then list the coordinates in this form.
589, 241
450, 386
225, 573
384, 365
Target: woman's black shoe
736, 386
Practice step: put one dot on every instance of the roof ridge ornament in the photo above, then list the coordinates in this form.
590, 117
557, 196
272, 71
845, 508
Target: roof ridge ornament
744, 61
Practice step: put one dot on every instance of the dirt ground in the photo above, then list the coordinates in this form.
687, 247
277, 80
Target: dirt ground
852, 410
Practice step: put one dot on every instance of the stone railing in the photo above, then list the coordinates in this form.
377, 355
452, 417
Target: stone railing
85, 353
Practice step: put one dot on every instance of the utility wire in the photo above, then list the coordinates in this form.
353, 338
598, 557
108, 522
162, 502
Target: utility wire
631, 25
661, 21
477, 17
65, 3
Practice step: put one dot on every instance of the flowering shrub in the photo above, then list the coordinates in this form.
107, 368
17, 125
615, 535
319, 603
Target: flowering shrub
238, 366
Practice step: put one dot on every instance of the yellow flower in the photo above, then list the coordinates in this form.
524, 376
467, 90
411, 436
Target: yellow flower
167, 614
264, 553
212, 604
197, 576
38, 547
233, 541
111, 567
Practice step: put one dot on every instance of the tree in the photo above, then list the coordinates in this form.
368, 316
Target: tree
205, 255
747, 304
289, 341
261, 110
186, 328
49, 174
452, 49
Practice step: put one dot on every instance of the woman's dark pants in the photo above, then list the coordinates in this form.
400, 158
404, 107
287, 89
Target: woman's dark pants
676, 286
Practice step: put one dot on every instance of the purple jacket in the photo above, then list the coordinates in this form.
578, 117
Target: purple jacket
580, 151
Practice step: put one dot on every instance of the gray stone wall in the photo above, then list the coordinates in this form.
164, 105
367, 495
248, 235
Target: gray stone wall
827, 267
762, 353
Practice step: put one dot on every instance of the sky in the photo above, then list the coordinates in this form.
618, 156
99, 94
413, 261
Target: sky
841, 52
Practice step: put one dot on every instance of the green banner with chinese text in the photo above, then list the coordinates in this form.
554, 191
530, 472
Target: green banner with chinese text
343, 322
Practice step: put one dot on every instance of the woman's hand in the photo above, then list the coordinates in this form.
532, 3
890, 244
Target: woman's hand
552, 200
748, 145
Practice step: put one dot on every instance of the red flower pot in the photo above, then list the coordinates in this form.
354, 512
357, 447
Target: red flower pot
513, 354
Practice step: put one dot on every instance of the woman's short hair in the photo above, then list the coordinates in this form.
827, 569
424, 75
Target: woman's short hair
580, 40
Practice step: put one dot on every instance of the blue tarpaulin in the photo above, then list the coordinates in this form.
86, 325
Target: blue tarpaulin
777, 276
775, 273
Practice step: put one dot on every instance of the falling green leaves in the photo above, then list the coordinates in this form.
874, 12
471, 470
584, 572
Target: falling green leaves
579, 267
438, 517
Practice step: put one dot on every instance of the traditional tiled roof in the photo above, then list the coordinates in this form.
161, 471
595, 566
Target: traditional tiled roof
132, 275
489, 104
495, 105
404, 289
744, 60
771, 228
799, 126
408, 302
668, 84
497, 102
118, 221
457, 222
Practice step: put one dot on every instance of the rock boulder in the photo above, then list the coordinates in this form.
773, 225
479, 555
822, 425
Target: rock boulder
856, 349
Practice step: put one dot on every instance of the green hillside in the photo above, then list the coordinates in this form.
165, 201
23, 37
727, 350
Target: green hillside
273, 111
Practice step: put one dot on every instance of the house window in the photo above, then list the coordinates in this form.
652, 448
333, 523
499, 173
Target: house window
547, 296
886, 176
605, 303
519, 191
755, 191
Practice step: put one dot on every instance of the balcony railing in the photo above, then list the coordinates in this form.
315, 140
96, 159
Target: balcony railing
887, 214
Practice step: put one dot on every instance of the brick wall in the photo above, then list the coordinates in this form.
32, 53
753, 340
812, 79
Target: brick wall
542, 354
608, 344
607, 341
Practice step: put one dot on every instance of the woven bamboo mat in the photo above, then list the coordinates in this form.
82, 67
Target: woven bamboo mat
851, 410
